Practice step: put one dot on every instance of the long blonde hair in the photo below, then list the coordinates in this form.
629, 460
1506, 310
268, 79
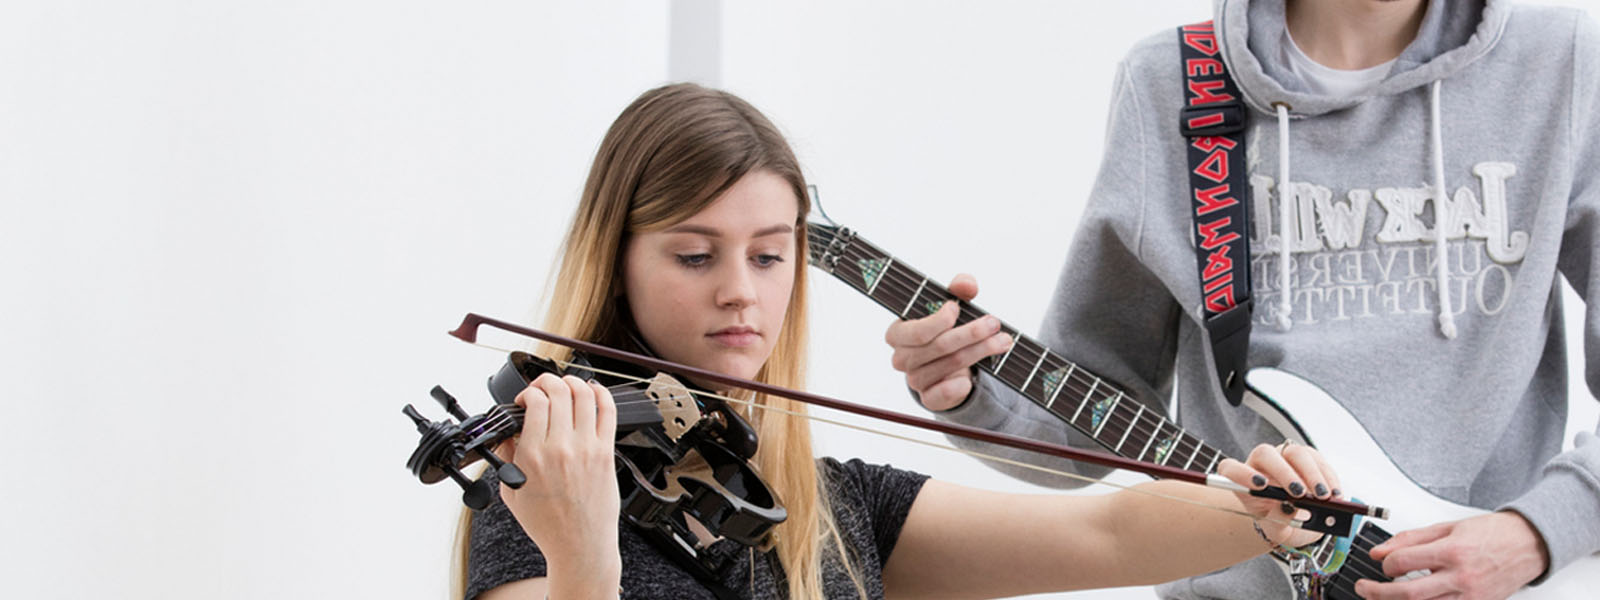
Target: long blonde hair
669, 154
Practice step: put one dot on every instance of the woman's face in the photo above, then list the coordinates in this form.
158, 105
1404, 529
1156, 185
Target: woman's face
712, 291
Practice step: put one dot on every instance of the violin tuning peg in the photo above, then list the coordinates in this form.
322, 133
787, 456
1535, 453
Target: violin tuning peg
417, 418
508, 473
511, 476
476, 496
448, 402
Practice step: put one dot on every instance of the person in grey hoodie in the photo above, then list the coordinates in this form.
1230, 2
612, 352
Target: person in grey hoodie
1441, 162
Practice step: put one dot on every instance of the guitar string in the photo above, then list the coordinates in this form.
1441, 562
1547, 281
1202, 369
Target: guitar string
1182, 440
897, 282
899, 278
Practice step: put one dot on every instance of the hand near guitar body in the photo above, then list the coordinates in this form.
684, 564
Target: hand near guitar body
1488, 556
937, 356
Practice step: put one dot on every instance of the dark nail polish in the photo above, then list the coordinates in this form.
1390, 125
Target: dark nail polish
1287, 508
1258, 480
1297, 489
1337, 493
1322, 490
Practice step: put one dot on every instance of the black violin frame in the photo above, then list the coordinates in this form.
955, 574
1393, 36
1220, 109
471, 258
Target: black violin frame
678, 454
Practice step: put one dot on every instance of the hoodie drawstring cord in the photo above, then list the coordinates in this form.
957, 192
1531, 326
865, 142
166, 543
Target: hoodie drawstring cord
1284, 199
1447, 322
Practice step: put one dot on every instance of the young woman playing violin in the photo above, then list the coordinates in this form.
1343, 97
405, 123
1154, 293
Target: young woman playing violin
689, 244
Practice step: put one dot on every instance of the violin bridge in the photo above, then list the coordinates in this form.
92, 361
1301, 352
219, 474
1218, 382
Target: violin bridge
679, 411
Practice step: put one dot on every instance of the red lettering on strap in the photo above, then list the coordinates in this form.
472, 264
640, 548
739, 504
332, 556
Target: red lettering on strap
1214, 167
1205, 42
1204, 92
1205, 121
1208, 234
1213, 199
1220, 300
1202, 66
1213, 142
1217, 263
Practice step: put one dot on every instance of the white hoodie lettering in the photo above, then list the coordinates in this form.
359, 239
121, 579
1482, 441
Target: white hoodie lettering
1338, 274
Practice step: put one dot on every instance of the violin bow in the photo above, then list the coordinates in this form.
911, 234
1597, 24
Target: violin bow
1331, 516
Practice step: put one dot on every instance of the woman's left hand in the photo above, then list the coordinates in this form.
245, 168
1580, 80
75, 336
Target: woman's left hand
1296, 468
569, 505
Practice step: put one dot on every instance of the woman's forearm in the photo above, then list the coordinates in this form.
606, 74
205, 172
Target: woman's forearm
1191, 539
584, 580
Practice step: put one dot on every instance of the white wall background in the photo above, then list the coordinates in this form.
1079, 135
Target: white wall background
233, 234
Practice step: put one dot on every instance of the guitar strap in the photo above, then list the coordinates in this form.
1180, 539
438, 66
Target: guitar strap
1213, 121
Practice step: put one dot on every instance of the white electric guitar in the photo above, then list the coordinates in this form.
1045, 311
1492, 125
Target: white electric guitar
1103, 411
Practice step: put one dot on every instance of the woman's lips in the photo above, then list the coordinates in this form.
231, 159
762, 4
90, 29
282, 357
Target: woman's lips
736, 337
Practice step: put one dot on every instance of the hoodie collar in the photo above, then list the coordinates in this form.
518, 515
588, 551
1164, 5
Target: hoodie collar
1447, 41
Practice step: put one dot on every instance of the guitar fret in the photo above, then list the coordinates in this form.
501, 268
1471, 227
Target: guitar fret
863, 267
1115, 402
1192, 454
913, 299
1086, 397
1064, 379
881, 273
1131, 424
1013, 346
1024, 386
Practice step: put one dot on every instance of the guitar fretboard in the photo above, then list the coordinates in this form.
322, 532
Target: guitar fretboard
1091, 404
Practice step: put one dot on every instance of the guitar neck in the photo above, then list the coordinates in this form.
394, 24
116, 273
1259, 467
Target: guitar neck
1089, 403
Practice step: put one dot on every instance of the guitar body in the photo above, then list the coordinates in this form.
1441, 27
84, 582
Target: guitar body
1365, 468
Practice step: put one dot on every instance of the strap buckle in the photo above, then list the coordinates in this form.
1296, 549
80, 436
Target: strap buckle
1212, 119
1230, 346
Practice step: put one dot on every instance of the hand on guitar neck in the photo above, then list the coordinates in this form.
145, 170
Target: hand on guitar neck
937, 355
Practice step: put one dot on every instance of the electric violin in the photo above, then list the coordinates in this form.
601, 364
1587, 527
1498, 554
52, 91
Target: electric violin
678, 454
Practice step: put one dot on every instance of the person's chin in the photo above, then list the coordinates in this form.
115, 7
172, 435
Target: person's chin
738, 366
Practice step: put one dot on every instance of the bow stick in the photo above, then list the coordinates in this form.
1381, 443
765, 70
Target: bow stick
1332, 516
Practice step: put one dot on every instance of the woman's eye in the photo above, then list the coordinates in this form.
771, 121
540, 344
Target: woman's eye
767, 260
694, 260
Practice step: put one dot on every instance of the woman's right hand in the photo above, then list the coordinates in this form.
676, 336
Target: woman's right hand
1298, 469
569, 506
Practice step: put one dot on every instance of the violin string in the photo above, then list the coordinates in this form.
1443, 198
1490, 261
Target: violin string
972, 453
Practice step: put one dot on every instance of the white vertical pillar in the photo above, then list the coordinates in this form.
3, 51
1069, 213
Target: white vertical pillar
694, 43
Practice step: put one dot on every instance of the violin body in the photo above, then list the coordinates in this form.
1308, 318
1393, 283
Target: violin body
679, 455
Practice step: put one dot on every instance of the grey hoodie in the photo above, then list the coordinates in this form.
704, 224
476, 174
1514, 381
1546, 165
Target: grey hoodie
1469, 401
